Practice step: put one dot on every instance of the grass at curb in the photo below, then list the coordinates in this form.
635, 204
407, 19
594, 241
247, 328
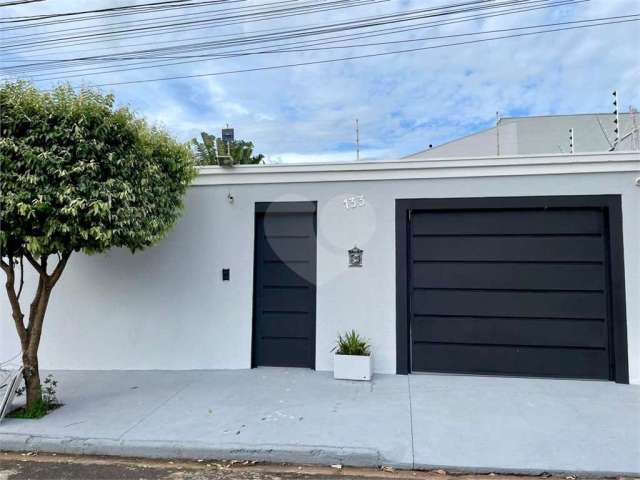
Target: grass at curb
38, 411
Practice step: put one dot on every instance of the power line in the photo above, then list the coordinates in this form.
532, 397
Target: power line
367, 22
52, 65
163, 17
262, 11
207, 24
355, 57
155, 43
181, 39
19, 2
476, 4
319, 46
137, 20
111, 9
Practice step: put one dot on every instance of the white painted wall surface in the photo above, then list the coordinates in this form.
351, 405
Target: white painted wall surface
487, 142
168, 308
537, 135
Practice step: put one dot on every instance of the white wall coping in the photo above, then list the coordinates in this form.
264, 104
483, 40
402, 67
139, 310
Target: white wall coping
554, 164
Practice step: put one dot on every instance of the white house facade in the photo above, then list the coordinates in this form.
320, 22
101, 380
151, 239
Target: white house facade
524, 265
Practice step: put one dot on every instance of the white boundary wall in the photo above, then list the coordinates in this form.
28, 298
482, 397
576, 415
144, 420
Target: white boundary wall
168, 308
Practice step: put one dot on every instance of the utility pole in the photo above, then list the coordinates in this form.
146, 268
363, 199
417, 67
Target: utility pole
357, 141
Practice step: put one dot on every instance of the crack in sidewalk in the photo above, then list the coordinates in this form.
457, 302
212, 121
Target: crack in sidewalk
413, 455
155, 409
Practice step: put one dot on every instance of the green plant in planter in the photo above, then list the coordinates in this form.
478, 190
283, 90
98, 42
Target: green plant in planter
351, 343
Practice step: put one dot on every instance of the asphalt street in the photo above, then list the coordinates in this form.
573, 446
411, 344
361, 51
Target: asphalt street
31, 466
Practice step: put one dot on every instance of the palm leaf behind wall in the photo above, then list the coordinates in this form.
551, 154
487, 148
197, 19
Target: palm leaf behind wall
241, 151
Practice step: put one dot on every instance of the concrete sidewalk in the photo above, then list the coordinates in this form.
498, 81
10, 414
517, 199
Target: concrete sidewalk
460, 423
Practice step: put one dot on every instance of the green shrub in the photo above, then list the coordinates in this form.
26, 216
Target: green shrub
47, 401
351, 343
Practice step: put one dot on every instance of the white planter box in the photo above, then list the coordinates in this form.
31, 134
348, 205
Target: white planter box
352, 367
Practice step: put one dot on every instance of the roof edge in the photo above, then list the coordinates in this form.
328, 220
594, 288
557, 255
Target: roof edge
421, 168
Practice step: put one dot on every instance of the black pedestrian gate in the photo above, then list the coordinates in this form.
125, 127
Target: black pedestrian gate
285, 284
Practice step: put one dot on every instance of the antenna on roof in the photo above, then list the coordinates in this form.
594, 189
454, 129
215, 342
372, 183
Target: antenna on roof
357, 141
227, 138
571, 144
498, 134
636, 131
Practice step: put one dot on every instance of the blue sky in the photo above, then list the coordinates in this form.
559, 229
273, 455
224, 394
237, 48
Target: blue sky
403, 102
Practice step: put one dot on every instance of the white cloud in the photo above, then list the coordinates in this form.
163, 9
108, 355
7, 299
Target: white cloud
403, 102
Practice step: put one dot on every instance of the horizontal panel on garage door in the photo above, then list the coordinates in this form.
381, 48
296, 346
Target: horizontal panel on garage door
509, 222
550, 332
509, 303
512, 360
491, 275
521, 291
501, 248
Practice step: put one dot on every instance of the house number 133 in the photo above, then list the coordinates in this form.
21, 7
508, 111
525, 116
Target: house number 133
353, 202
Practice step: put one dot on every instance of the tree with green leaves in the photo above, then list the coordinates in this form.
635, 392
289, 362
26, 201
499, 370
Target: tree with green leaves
77, 174
215, 151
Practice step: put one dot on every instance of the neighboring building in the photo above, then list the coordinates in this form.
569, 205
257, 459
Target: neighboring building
523, 266
592, 132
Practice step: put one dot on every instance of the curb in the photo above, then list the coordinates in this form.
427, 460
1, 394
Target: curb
294, 454
536, 472
281, 453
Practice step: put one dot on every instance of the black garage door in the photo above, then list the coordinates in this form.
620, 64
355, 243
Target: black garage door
516, 291
284, 290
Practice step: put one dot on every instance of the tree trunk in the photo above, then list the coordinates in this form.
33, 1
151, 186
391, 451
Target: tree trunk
30, 335
32, 379
34, 332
